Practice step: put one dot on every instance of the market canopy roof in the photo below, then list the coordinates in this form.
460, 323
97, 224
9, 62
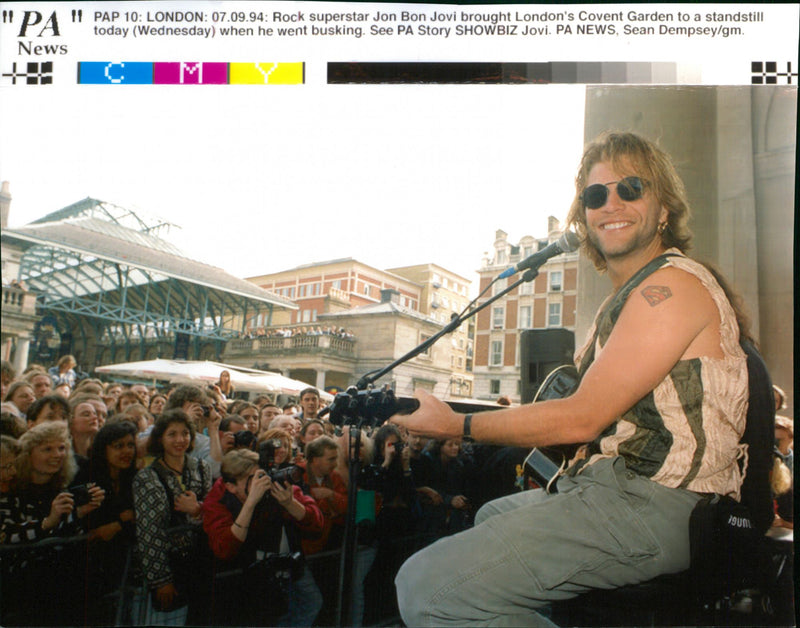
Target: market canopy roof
207, 372
100, 260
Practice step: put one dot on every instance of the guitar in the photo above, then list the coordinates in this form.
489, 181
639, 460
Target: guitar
544, 465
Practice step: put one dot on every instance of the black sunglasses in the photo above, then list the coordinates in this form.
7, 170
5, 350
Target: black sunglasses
629, 189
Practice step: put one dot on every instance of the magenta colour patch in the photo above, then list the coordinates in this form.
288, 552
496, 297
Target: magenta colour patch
190, 73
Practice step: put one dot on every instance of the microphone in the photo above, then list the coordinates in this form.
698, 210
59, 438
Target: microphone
567, 243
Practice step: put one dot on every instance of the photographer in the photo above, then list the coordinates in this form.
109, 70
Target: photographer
248, 516
391, 476
229, 428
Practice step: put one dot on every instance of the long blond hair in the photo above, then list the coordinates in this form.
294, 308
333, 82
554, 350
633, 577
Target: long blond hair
35, 436
632, 155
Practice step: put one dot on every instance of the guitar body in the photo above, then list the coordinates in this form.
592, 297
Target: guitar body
544, 464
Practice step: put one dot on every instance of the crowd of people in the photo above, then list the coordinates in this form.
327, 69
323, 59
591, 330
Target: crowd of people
288, 332
209, 509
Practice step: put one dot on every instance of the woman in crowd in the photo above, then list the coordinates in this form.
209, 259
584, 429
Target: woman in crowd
282, 451
138, 415
395, 484
101, 408
20, 393
450, 478
224, 384
48, 408
39, 506
143, 422
249, 412
311, 430
64, 372
84, 424
126, 398
289, 425
112, 467
398, 506
167, 494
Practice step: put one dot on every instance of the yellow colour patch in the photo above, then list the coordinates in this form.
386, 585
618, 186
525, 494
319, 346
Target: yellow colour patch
267, 73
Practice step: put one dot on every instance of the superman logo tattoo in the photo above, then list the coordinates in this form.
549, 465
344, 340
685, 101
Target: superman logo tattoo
656, 294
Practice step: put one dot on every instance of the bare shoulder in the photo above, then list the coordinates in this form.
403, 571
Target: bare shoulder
674, 302
674, 289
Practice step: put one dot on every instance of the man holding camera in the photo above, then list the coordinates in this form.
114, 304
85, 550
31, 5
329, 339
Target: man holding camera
255, 524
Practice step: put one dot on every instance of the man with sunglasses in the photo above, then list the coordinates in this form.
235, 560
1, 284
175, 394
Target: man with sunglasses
661, 403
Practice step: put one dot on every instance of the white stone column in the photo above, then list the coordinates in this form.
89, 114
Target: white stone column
320, 383
21, 354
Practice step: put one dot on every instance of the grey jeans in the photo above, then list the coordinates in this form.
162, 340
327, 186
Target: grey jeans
605, 528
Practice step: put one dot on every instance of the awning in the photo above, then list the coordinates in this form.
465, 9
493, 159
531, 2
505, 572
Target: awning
203, 373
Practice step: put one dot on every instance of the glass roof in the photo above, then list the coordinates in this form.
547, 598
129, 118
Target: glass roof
98, 259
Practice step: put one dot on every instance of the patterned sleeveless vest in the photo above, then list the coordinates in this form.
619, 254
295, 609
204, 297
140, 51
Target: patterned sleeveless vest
684, 433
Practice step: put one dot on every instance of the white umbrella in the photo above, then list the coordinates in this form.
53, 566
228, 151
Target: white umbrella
205, 372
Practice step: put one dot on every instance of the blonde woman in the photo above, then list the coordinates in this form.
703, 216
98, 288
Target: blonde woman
39, 506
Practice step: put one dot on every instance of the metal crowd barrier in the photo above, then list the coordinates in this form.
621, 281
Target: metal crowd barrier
46, 584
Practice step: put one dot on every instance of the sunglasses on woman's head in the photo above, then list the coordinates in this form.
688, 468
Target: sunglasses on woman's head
628, 189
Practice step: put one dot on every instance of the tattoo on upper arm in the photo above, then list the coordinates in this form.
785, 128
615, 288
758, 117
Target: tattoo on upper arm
656, 294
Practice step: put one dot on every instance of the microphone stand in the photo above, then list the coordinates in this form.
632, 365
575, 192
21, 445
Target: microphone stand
347, 573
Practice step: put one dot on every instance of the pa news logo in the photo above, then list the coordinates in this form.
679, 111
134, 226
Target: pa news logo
36, 31
767, 73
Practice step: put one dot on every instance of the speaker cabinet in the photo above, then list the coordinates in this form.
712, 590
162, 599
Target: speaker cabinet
541, 351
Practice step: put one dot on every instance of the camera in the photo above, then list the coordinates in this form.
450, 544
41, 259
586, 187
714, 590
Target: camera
278, 566
80, 495
398, 447
287, 475
291, 474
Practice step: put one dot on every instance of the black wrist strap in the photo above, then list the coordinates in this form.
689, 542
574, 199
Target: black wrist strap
467, 436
